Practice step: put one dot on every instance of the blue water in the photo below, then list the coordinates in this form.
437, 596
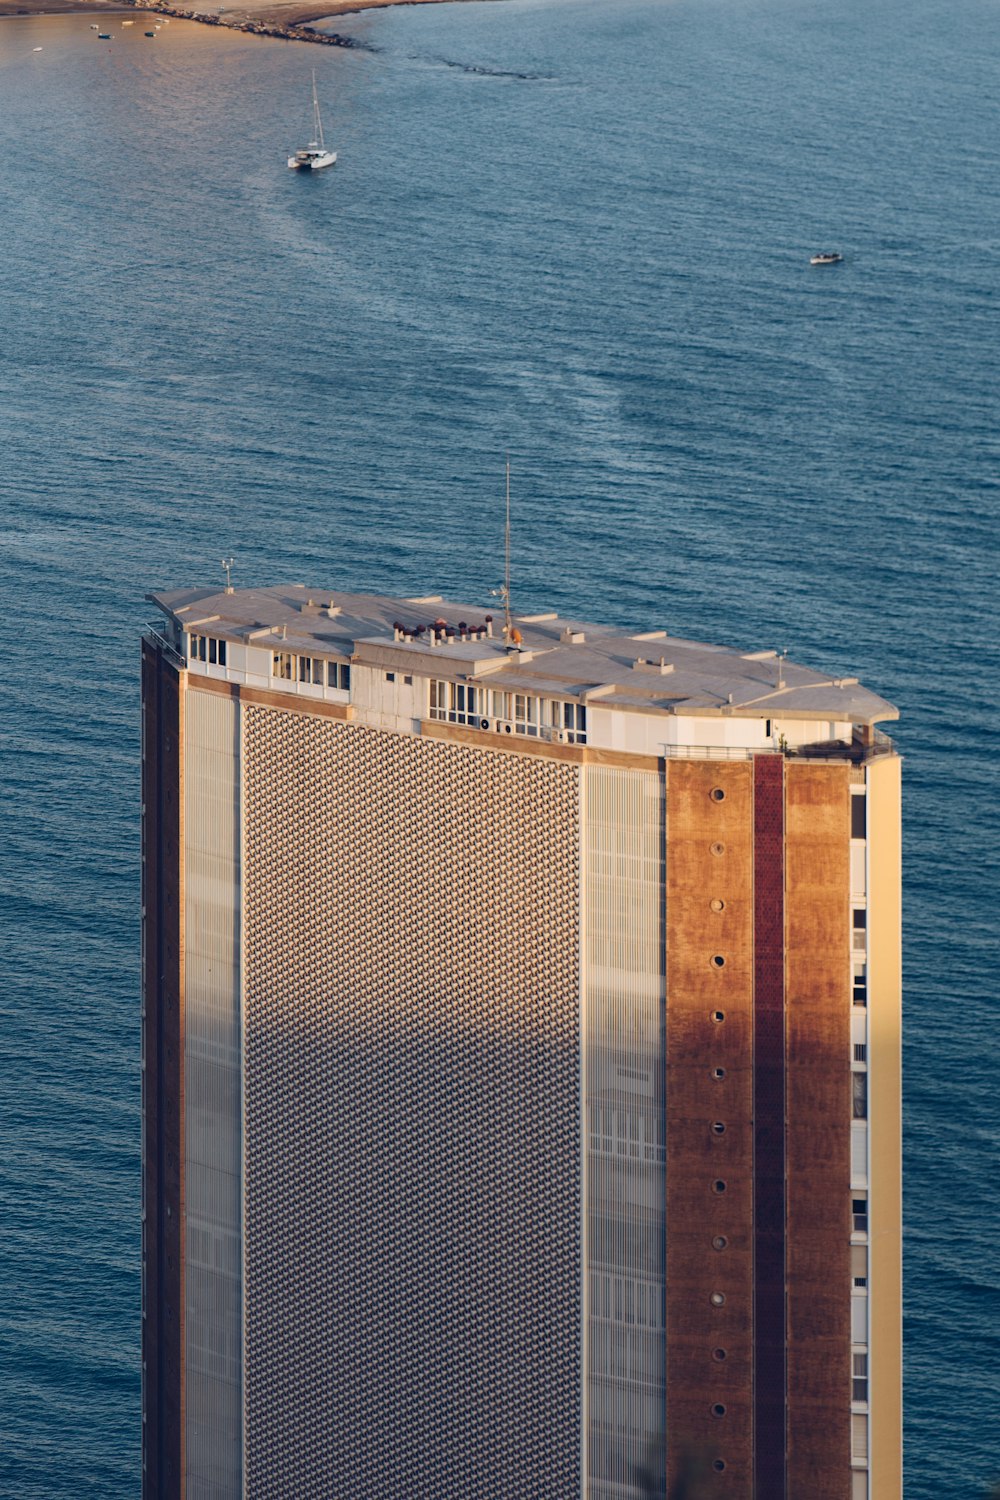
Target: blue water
580, 231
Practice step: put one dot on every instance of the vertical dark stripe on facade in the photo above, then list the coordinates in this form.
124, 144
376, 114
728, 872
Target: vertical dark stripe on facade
162, 1083
769, 1130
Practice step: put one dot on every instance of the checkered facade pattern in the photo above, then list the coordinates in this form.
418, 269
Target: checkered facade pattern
412, 1194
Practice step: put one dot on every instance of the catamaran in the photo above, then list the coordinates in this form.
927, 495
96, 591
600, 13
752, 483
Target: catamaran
314, 156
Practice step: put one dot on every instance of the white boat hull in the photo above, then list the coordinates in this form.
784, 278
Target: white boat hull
312, 161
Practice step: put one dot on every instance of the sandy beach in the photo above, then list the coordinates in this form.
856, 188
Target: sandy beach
270, 12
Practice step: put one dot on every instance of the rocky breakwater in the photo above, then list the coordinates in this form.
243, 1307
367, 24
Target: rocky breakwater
239, 20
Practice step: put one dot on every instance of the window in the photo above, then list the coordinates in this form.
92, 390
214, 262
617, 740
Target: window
860, 1051
859, 1095
860, 934
457, 703
525, 713
208, 649
283, 665
571, 718
859, 1211
390, 677
310, 669
860, 992
859, 809
338, 675
859, 1437
859, 1381
513, 713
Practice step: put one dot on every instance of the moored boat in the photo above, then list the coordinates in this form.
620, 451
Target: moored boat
313, 157
826, 258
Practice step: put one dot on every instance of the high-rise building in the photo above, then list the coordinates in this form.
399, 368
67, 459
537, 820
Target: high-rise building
521, 1061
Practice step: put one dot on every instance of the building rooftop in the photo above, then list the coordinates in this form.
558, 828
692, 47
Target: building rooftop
652, 672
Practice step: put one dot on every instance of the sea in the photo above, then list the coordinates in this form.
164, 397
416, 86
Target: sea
572, 231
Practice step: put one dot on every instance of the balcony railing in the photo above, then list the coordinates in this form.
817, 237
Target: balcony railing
154, 635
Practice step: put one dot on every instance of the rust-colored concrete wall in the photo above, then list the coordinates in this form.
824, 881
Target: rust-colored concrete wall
818, 1102
769, 1207
709, 859
163, 1081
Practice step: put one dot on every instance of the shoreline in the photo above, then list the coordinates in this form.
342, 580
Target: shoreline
288, 20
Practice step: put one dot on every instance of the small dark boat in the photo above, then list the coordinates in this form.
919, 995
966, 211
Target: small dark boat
826, 258
104, 36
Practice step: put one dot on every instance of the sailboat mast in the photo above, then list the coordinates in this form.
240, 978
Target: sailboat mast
317, 118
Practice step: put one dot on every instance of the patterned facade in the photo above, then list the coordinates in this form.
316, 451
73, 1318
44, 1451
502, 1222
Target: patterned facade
412, 1117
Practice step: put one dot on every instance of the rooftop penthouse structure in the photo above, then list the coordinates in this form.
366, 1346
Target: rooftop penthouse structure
521, 1060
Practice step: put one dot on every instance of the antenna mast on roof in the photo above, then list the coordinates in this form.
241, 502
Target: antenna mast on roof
227, 565
507, 626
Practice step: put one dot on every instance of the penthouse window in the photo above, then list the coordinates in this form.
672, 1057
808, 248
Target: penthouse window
207, 649
313, 671
457, 702
508, 713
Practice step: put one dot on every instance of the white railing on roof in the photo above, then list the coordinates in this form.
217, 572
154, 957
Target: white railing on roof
717, 752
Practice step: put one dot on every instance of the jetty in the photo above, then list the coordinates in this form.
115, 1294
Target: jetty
289, 31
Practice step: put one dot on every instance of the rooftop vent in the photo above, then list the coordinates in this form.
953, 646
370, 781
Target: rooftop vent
571, 637
661, 666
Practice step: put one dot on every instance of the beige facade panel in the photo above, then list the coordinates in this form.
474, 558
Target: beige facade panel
212, 1270
885, 1108
623, 998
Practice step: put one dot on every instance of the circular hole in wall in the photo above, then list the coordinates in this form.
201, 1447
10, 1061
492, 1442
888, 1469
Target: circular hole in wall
717, 848
718, 1015
718, 1410
717, 794
718, 1464
718, 1186
718, 1127
719, 1354
718, 1073
718, 1299
719, 1242
717, 904
718, 961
